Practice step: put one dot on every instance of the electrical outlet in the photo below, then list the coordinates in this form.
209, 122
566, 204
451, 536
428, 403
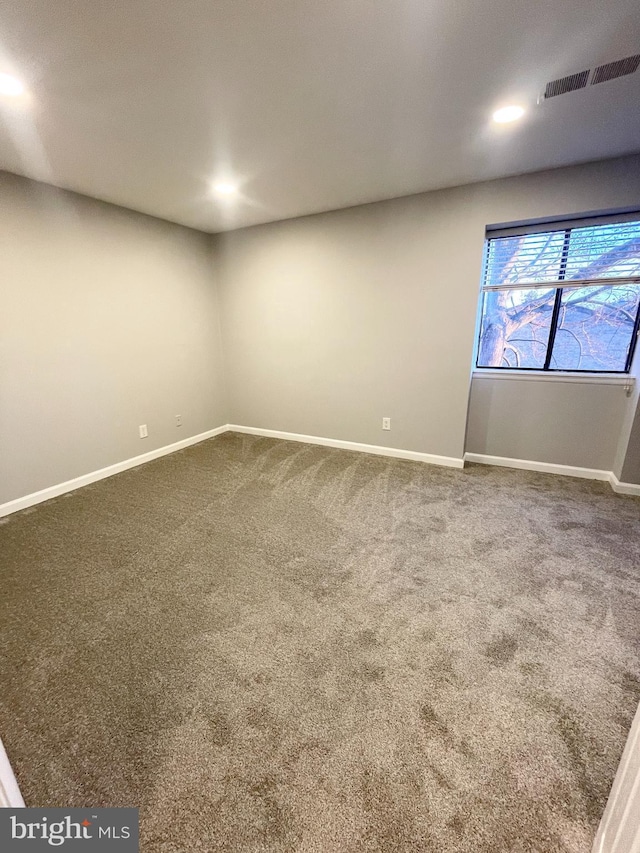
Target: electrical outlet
178, 420
142, 429
386, 423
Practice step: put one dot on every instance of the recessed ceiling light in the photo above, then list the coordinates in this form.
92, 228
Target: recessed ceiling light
11, 87
225, 188
506, 114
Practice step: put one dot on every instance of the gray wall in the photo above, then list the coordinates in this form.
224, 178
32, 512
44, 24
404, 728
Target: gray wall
108, 320
566, 423
630, 471
333, 321
626, 466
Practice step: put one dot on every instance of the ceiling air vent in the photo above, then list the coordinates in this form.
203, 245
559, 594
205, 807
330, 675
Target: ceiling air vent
566, 84
616, 69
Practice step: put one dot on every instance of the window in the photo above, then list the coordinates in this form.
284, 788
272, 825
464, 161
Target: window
565, 298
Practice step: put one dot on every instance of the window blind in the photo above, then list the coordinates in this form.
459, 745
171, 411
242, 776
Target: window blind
565, 257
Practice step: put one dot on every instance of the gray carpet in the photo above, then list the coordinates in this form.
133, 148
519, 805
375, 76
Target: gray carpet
270, 646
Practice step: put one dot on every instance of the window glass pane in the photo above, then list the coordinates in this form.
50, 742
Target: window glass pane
526, 259
595, 327
515, 328
604, 251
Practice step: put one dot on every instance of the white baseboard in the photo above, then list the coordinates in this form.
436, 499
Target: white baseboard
71, 485
623, 488
10, 796
554, 468
429, 458
542, 467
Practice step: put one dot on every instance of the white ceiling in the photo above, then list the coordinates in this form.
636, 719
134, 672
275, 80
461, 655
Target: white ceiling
311, 104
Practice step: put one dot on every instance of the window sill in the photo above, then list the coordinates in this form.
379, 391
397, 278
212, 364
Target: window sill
544, 376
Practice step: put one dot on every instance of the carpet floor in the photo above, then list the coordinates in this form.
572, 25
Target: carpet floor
271, 646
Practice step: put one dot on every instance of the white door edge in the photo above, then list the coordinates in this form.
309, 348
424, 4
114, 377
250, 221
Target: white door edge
10, 796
